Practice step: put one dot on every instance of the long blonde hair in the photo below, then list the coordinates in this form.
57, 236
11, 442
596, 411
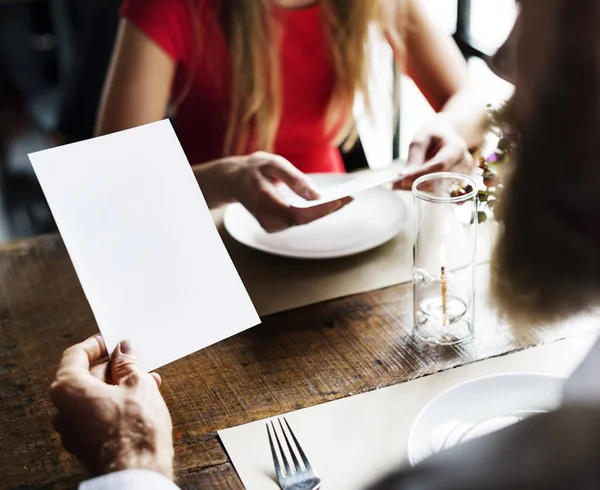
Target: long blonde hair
256, 100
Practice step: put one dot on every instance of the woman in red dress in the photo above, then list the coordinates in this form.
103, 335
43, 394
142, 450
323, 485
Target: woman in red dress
263, 90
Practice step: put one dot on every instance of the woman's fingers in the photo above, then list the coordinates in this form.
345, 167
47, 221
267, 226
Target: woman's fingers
306, 215
417, 150
450, 157
275, 215
280, 169
413, 173
271, 210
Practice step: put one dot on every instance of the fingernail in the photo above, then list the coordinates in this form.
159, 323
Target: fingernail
310, 194
126, 347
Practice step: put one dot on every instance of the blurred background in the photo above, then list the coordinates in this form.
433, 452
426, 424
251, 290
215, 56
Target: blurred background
54, 56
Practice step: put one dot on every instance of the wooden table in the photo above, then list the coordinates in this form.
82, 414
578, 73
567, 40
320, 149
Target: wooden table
294, 359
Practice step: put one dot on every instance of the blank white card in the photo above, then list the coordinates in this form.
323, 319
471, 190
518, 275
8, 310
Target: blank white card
143, 243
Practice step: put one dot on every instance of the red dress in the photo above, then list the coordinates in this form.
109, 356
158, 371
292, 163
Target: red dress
307, 80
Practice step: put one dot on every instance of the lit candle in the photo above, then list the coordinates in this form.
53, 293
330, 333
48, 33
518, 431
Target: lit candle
444, 285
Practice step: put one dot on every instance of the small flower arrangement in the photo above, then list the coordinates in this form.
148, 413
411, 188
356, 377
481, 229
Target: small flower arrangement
491, 167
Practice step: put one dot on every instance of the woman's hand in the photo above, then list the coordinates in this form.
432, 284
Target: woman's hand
253, 181
111, 416
436, 147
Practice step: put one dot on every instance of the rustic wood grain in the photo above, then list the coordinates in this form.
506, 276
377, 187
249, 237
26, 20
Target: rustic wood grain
293, 360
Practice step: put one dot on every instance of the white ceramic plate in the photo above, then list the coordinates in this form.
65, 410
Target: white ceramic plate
478, 407
373, 218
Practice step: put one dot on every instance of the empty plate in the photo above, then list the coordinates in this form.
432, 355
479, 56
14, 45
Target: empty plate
374, 217
478, 407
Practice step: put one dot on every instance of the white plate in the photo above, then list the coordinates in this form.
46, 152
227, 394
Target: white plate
478, 407
373, 218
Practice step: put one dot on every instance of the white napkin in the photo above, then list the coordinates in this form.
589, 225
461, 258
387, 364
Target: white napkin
356, 440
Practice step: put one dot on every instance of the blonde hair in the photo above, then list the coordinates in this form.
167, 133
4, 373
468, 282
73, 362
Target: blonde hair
253, 37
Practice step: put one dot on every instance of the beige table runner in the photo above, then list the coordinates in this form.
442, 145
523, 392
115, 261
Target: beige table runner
277, 284
356, 440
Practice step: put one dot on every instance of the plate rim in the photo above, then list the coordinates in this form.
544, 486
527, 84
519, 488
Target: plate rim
410, 446
319, 255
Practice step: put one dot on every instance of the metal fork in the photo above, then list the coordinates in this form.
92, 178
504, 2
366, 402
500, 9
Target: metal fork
301, 477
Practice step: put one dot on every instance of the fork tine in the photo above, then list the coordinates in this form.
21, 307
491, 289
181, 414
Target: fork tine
292, 452
288, 469
300, 451
276, 462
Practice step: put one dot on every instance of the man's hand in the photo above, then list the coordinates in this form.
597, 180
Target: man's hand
111, 427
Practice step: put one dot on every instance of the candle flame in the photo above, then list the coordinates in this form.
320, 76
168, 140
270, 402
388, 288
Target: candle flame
442, 256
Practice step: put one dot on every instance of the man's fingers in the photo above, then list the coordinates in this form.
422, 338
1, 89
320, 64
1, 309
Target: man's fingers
58, 423
157, 378
282, 170
124, 363
82, 355
101, 371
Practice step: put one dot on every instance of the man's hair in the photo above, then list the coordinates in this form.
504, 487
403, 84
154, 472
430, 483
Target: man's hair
546, 265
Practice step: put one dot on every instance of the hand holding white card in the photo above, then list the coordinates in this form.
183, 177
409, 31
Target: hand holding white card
361, 182
143, 243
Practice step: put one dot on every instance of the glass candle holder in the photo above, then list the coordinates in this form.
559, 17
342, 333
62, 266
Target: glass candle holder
445, 241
